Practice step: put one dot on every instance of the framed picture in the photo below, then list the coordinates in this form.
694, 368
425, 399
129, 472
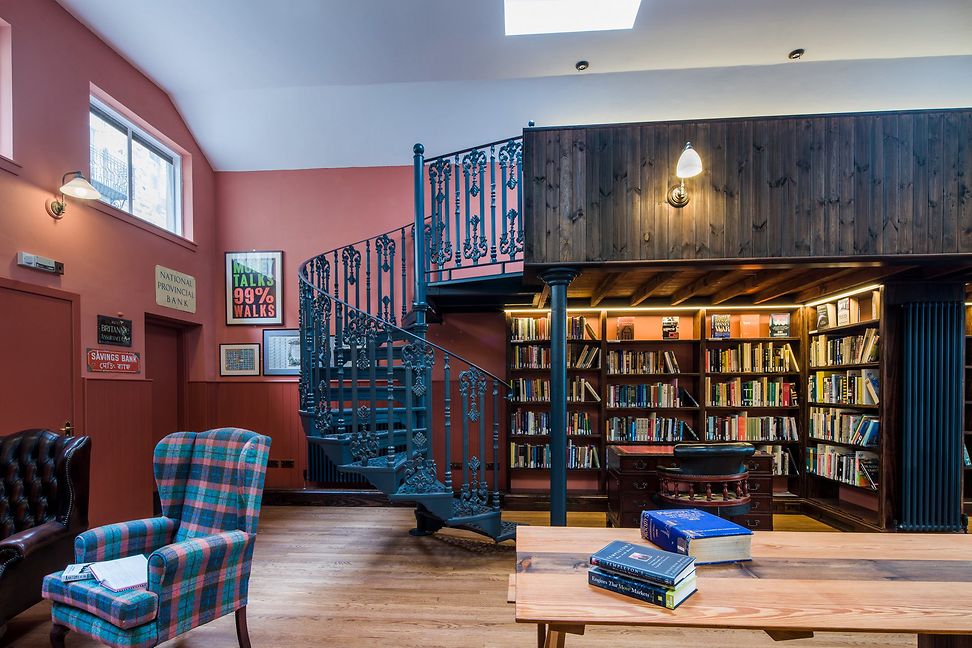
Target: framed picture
254, 291
281, 352
239, 359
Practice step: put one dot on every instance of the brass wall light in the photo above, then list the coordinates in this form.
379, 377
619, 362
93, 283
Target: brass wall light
689, 165
76, 187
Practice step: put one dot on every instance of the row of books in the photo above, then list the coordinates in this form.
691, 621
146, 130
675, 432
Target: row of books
537, 390
649, 395
764, 392
843, 427
530, 423
578, 327
581, 390
845, 349
628, 429
854, 467
852, 387
783, 462
740, 427
538, 357
528, 455
846, 310
641, 362
749, 357
644, 573
537, 329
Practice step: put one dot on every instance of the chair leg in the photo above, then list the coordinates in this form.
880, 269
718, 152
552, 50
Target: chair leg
58, 632
242, 634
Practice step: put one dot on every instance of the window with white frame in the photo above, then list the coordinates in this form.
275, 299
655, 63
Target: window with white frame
134, 171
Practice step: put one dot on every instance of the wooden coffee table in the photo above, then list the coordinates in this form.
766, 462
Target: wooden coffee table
797, 583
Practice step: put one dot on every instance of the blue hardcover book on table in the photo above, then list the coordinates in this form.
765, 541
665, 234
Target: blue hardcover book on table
691, 532
667, 597
644, 563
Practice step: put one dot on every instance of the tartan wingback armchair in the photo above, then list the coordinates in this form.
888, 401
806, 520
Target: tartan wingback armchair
211, 486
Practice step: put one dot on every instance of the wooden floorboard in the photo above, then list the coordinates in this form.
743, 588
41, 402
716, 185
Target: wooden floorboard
349, 577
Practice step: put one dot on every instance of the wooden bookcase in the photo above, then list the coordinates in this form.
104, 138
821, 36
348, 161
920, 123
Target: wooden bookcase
967, 414
840, 488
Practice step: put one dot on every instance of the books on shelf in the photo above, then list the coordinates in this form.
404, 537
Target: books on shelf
578, 327
528, 455
779, 325
760, 392
740, 427
966, 460
720, 326
626, 328
784, 464
851, 387
697, 534
651, 428
531, 357
762, 357
844, 349
842, 426
530, 423
529, 329
580, 390
670, 327
582, 356
591, 335
646, 395
848, 311
853, 467
826, 315
641, 362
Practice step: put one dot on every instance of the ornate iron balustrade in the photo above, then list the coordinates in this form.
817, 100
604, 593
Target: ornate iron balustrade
377, 394
475, 198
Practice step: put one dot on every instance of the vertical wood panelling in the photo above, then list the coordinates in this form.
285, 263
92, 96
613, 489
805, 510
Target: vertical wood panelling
269, 408
118, 420
788, 187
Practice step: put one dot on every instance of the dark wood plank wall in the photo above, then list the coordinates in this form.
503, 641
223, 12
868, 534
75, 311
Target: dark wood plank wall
877, 184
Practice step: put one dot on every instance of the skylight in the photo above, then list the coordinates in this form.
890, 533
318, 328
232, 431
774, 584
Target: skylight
562, 16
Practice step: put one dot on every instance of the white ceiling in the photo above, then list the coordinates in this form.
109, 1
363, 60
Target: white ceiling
328, 83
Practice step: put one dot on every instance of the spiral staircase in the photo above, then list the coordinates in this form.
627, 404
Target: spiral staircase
380, 400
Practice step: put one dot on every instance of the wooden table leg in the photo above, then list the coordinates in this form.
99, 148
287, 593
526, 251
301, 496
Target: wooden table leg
944, 641
557, 634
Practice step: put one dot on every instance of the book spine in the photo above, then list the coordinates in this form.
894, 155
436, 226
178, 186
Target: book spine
667, 539
627, 570
641, 591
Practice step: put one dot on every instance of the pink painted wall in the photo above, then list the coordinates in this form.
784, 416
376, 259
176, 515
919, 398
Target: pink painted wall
108, 261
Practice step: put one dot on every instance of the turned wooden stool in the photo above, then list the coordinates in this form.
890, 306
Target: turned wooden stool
711, 477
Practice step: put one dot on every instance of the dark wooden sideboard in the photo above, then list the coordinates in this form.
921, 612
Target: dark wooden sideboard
632, 480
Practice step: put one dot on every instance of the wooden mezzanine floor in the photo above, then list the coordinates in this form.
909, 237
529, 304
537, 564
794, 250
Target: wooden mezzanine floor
350, 577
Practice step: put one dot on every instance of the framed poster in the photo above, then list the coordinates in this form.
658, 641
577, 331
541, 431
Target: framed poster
239, 359
253, 287
281, 352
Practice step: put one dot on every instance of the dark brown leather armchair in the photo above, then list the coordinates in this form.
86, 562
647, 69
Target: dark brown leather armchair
43, 506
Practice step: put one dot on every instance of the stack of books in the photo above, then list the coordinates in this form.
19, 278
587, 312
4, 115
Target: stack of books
644, 573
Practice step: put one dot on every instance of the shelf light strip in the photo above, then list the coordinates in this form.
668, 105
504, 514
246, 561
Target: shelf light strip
849, 293
657, 309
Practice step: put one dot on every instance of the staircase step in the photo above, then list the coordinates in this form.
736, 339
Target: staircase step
441, 505
337, 447
383, 475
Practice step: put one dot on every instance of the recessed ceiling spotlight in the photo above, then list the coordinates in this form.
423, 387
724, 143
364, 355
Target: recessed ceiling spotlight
580, 66
795, 54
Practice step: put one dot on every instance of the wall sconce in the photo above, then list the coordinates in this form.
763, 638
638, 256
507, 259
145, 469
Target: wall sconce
689, 165
76, 187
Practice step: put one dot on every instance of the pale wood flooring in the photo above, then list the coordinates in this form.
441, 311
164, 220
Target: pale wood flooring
350, 577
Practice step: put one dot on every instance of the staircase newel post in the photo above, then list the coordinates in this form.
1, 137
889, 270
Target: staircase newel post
419, 304
558, 279
496, 448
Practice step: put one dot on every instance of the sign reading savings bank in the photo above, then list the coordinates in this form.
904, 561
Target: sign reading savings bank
175, 290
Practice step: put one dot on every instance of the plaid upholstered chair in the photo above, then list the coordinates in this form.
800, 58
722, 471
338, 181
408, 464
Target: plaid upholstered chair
199, 551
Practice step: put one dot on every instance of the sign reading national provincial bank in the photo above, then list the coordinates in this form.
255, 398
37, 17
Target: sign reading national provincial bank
175, 289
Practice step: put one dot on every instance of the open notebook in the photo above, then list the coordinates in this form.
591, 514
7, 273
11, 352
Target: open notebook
122, 574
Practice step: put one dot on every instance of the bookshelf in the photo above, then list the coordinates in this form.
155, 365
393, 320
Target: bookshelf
655, 387
844, 444
528, 411
967, 415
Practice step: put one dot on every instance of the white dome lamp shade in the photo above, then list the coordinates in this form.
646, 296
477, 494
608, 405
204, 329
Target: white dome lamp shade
689, 165
76, 187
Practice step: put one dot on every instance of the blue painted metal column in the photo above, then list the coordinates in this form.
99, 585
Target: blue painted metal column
558, 279
419, 303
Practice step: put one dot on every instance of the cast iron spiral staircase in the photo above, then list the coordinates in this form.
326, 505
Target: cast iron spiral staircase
376, 396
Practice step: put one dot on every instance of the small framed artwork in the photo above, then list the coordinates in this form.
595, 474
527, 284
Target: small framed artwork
281, 352
239, 359
254, 291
